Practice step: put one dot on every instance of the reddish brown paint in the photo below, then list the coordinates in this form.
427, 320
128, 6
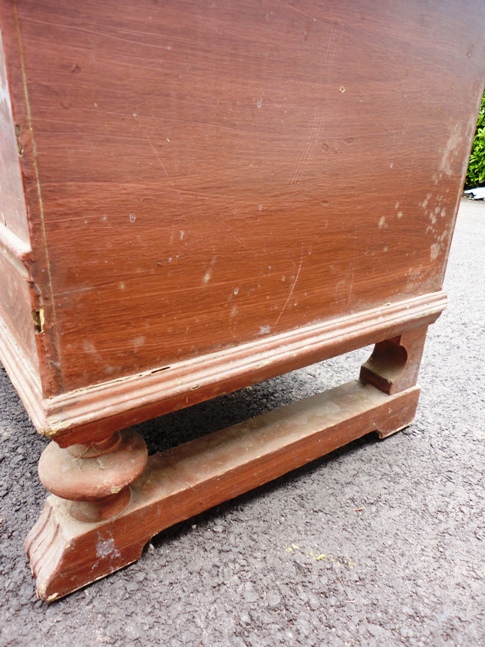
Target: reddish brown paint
66, 554
198, 197
205, 177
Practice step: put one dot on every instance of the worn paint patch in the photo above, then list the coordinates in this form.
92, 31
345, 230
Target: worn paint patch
434, 251
139, 341
208, 275
451, 151
106, 548
89, 347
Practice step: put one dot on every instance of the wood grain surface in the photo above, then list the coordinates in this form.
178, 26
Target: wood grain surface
66, 554
200, 176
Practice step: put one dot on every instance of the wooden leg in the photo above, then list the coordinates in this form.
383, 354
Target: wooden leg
96, 522
394, 367
90, 485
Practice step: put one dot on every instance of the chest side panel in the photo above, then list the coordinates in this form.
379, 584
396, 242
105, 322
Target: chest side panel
217, 175
17, 300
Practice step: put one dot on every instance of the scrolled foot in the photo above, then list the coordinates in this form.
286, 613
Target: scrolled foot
393, 368
71, 544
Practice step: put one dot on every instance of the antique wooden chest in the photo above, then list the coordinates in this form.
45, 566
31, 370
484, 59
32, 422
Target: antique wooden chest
198, 196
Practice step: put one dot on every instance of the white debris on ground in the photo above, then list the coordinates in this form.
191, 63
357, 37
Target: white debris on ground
476, 194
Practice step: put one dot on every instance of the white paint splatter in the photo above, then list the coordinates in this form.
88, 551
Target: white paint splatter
106, 548
207, 276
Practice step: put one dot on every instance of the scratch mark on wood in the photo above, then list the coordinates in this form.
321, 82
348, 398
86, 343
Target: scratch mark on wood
236, 237
307, 151
156, 155
319, 116
161, 164
298, 10
354, 254
292, 289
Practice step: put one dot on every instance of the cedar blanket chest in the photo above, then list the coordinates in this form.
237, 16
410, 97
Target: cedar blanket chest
196, 197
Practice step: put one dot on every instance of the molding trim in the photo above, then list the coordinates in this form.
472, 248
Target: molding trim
14, 249
93, 413
23, 377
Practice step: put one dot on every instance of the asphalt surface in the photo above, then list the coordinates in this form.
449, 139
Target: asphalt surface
380, 543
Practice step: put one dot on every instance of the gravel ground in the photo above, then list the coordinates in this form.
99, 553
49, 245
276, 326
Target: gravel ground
380, 543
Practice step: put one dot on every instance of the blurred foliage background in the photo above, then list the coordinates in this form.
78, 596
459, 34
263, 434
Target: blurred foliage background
476, 167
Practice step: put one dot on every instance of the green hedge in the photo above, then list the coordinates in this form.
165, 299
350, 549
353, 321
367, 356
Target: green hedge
476, 167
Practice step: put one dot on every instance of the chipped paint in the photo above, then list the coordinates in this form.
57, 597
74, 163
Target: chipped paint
39, 320
424, 203
207, 276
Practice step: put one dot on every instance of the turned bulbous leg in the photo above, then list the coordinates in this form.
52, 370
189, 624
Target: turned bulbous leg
77, 538
94, 479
